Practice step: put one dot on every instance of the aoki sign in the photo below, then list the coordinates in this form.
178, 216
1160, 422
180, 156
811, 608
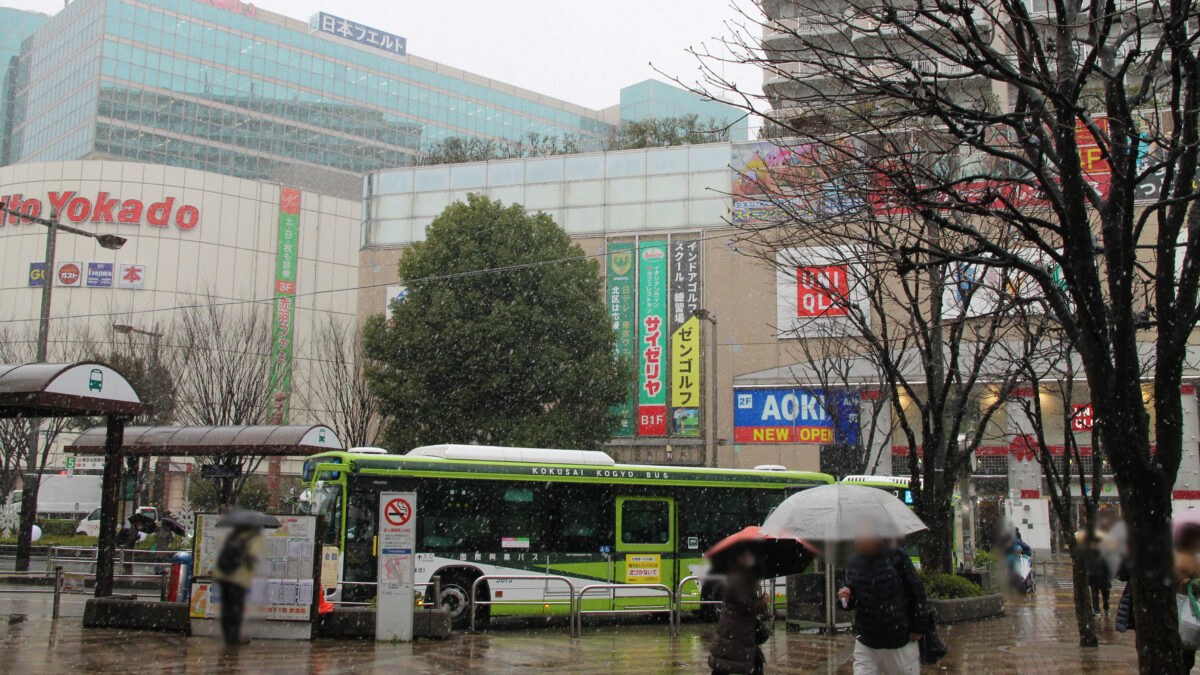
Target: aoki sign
105, 208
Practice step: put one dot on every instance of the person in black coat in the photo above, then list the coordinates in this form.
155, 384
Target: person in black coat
1099, 576
734, 648
891, 613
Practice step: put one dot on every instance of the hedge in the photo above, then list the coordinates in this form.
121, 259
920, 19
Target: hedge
949, 586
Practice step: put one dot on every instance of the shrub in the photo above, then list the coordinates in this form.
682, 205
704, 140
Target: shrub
58, 527
984, 559
949, 586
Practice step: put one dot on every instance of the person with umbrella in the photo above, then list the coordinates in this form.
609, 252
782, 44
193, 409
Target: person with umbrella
891, 612
881, 584
237, 564
744, 558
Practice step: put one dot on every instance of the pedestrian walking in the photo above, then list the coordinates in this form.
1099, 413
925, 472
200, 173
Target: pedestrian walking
734, 647
891, 613
236, 566
1099, 576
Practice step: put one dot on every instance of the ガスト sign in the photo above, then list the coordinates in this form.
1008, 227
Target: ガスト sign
106, 208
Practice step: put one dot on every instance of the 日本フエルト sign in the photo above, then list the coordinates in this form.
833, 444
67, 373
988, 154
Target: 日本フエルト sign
357, 32
652, 302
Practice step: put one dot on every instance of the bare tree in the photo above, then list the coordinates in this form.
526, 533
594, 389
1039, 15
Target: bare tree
844, 368
337, 391
1071, 129
221, 356
20, 457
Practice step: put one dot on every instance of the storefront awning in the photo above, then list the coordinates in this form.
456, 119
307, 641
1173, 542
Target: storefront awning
82, 389
290, 440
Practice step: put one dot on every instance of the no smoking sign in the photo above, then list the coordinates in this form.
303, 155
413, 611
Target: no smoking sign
397, 512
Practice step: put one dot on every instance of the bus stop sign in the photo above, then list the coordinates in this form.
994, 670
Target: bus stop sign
397, 543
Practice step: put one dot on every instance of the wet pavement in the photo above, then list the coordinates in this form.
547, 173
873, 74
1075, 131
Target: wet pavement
1036, 635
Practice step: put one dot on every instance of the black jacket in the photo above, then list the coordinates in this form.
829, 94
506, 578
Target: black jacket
733, 648
1124, 620
888, 598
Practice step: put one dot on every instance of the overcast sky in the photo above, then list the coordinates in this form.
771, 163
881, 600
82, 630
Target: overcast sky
580, 51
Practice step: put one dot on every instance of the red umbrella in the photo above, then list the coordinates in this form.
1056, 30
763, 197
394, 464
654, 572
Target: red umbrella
773, 557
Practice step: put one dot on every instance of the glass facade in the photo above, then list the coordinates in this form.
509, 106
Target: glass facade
684, 187
658, 99
186, 83
15, 26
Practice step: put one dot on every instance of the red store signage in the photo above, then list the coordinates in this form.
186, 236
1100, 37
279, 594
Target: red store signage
105, 209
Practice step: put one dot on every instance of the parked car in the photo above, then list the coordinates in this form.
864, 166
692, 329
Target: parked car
90, 524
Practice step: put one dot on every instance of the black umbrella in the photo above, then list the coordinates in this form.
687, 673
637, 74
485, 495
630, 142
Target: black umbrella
246, 518
143, 523
173, 526
773, 557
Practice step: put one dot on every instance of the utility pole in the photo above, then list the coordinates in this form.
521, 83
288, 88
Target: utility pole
139, 467
714, 442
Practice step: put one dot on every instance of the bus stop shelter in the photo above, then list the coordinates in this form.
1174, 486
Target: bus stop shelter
81, 389
255, 441
217, 441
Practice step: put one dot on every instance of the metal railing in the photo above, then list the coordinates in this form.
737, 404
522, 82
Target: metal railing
668, 608
570, 603
71, 558
57, 590
698, 580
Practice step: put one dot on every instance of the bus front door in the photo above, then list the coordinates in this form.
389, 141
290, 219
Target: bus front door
645, 546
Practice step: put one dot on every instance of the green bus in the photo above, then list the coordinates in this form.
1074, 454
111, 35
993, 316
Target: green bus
899, 486
520, 511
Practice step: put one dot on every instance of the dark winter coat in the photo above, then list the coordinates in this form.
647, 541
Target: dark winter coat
1097, 568
888, 598
733, 648
1124, 620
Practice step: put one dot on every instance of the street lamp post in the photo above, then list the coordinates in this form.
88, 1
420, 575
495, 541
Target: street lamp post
714, 442
139, 467
29, 492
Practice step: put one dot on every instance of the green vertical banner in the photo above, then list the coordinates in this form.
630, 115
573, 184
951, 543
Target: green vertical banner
622, 309
652, 305
286, 261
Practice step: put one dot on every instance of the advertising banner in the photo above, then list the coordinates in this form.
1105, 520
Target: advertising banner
100, 275
68, 274
816, 291
685, 338
652, 302
622, 310
286, 260
794, 415
132, 276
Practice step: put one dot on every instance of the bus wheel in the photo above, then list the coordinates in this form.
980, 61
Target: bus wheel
714, 592
456, 593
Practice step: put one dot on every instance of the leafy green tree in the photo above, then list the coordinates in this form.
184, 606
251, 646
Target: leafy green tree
457, 149
504, 338
659, 132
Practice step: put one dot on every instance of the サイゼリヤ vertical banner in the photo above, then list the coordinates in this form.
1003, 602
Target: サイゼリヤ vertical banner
622, 309
685, 337
652, 303
286, 261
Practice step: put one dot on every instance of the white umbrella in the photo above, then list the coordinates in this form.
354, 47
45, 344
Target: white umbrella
839, 512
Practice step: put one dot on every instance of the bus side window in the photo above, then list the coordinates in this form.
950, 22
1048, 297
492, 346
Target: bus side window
522, 523
582, 518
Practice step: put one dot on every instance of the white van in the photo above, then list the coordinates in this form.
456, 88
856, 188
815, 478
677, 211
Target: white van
90, 524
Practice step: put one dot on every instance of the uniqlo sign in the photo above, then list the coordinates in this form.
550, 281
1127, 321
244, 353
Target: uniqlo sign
1082, 418
821, 291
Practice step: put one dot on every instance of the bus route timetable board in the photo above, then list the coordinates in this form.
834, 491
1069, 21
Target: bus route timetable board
284, 590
